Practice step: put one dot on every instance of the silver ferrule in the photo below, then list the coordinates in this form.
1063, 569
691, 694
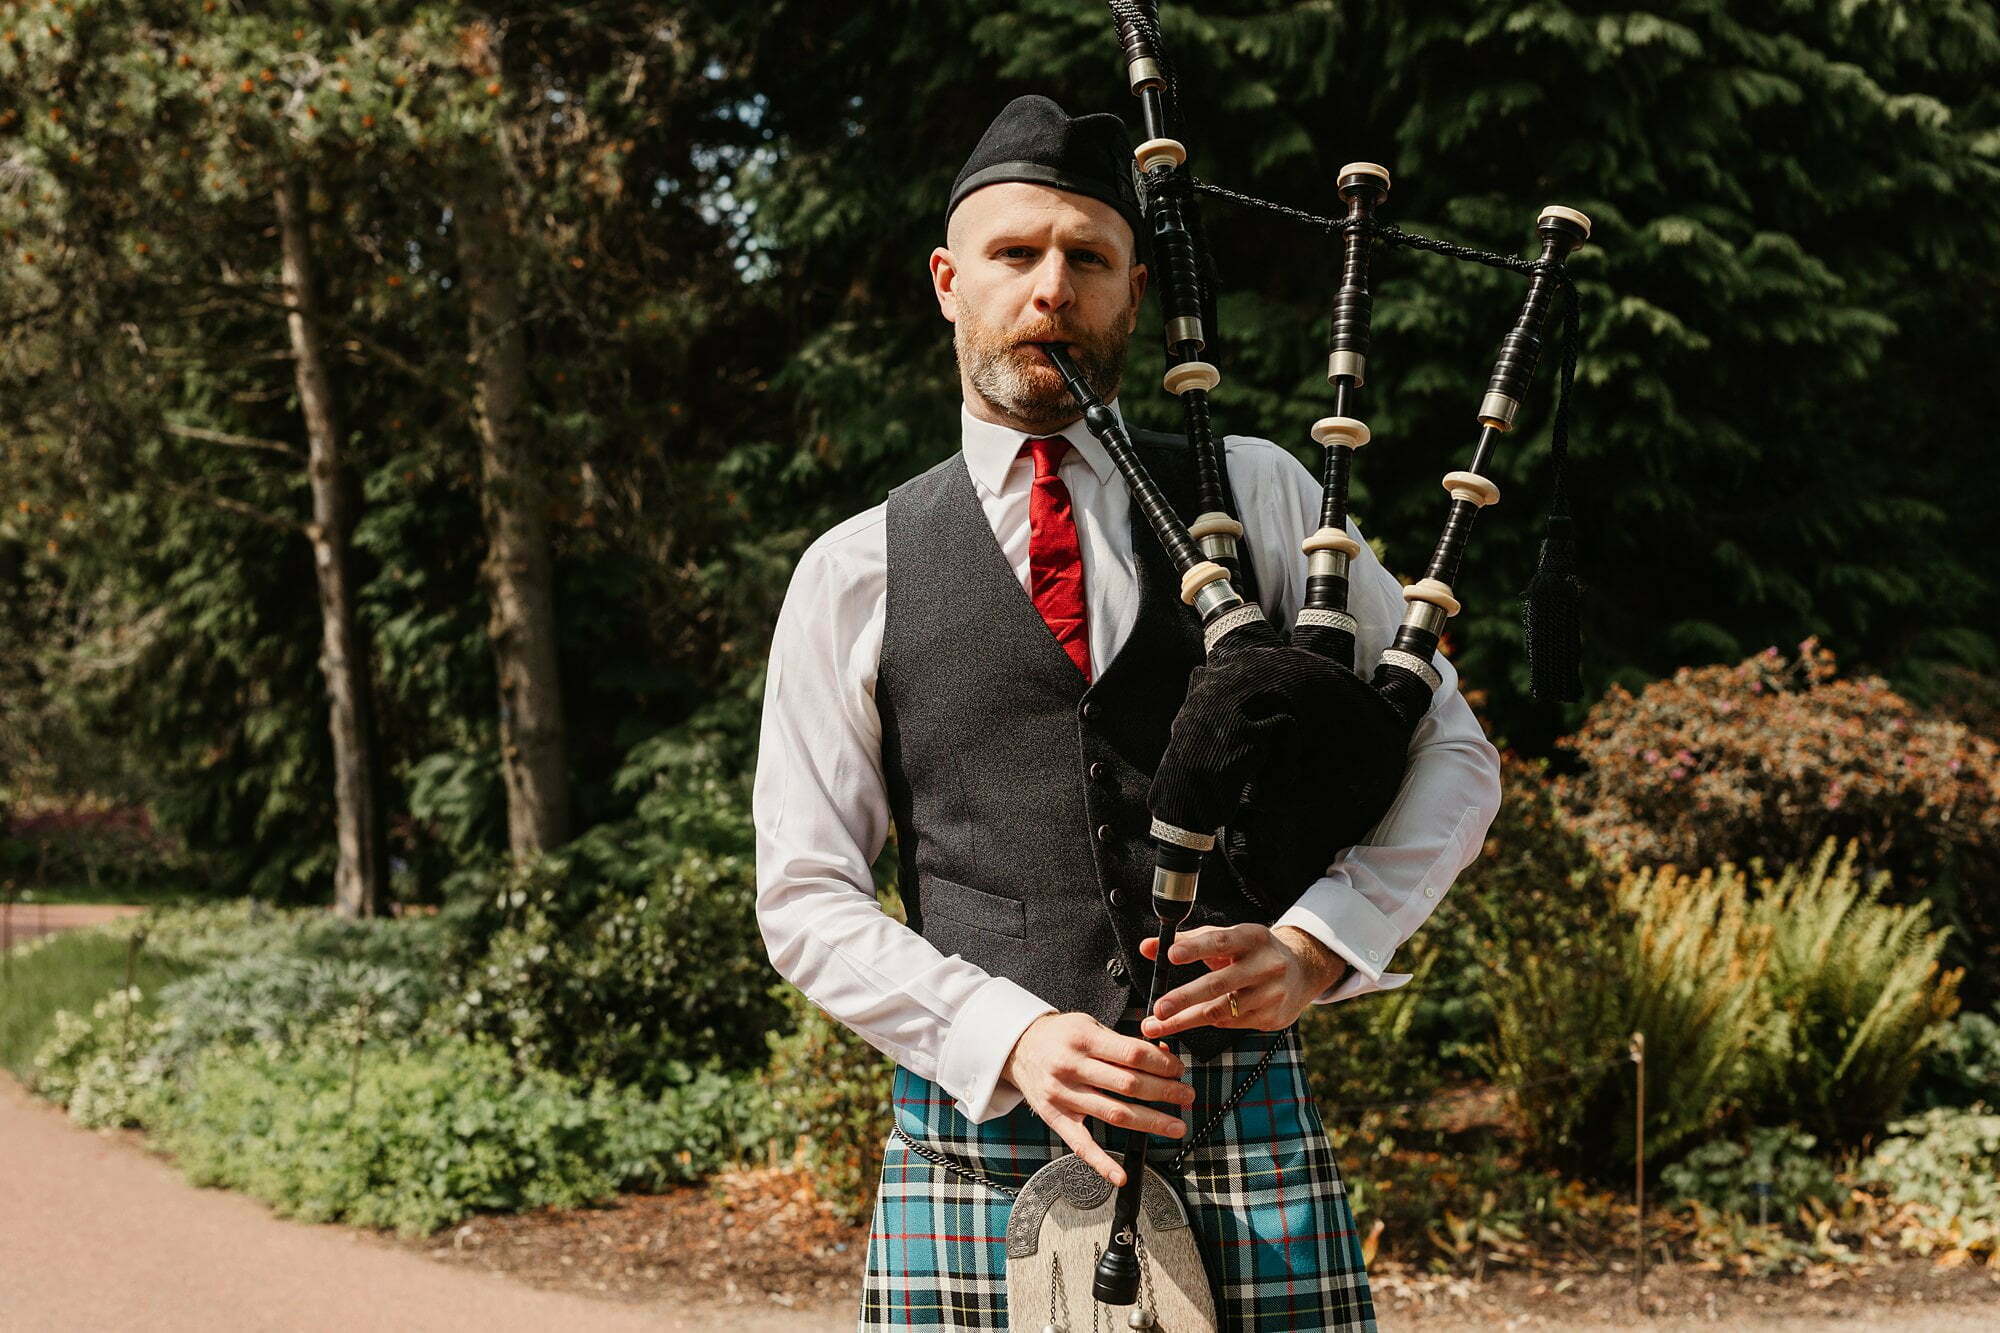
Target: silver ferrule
1498, 409
1320, 564
1351, 364
1184, 329
1219, 546
1175, 886
1217, 596
1425, 616
1145, 73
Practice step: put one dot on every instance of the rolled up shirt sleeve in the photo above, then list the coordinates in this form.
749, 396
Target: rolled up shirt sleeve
1376, 894
821, 811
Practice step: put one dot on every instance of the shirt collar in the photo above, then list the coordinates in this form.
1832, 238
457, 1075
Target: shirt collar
990, 449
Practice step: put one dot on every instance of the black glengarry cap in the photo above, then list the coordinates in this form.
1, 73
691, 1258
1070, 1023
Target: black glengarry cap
1034, 140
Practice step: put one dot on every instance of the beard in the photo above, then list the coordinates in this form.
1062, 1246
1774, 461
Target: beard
1020, 381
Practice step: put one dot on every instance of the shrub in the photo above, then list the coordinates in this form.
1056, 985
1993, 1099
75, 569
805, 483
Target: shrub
831, 1089
102, 1069
1683, 963
1769, 758
420, 1138
633, 954
1858, 1000
280, 999
1727, 1175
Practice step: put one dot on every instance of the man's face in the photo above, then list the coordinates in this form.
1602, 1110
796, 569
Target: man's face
1025, 264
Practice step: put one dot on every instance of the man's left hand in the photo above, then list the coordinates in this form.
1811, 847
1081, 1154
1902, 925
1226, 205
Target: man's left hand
1275, 975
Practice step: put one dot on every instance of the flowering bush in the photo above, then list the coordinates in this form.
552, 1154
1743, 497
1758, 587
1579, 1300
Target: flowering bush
1769, 758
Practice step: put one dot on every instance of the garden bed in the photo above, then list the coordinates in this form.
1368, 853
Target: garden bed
758, 1238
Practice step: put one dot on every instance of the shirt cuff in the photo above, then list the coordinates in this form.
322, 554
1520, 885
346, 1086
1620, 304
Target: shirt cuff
976, 1048
1332, 912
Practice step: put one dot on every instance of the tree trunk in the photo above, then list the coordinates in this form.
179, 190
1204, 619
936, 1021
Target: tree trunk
517, 568
360, 879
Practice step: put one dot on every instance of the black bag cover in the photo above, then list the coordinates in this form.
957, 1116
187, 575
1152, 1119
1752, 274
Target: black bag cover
1288, 755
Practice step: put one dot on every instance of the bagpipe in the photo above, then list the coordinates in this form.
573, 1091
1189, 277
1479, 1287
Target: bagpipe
1284, 752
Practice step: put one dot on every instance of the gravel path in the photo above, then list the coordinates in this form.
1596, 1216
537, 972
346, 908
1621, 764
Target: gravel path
21, 922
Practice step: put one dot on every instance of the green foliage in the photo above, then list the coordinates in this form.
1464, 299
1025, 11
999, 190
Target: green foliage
1684, 963
633, 955
420, 1139
1945, 1162
831, 1089
1771, 757
1795, 999
71, 971
1777, 1162
102, 1069
281, 999
1858, 1001
1964, 1065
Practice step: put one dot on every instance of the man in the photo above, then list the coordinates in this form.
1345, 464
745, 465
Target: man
992, 659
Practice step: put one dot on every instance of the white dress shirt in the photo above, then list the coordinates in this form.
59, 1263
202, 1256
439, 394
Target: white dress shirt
821, 805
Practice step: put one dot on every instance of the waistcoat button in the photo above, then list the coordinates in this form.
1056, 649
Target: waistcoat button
1104, 833
1090, 708
1116, 967
1118, 897
1098, 770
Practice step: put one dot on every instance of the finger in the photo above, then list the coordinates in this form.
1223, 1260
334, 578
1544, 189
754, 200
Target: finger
1237, 976
1205, 942
1150, 947
1253, 1010
1077, 1135
1125, 1115
1129, 1082
1118, 1049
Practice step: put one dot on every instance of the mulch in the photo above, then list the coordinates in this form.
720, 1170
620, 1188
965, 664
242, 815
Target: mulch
760, 1238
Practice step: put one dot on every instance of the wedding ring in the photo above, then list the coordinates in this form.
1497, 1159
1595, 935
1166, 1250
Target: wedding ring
1234, 1012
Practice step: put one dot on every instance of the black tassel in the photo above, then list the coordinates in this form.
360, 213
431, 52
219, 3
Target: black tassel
1552, 605
1552, 617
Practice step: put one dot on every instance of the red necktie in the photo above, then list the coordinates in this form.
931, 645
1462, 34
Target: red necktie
1055, 561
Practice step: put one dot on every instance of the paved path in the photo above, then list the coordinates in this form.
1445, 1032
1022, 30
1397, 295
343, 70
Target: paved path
97, 1234
21, 922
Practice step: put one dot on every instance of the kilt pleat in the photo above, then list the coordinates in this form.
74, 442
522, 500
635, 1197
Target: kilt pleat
1263, 1191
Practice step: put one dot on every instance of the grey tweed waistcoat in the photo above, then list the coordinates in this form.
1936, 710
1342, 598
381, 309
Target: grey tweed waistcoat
1018, 793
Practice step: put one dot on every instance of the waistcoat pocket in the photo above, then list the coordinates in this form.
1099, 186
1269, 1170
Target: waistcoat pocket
974, 907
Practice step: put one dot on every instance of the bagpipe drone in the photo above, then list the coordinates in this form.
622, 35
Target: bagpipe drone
1283, 752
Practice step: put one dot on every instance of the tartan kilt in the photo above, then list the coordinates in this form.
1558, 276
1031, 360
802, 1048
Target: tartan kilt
1263, 1192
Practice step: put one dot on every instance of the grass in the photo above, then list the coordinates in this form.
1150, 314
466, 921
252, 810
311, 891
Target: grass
73, 971
147, 893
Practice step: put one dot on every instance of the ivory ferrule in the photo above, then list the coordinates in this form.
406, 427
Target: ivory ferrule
1153, 153
1202, 577
1431, 592
1497, 410
1213, 522
1217, 534
1348, 431
1330, 539
1189, 375
1471, 486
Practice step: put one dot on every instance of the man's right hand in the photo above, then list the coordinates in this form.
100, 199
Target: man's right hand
1068, 1065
